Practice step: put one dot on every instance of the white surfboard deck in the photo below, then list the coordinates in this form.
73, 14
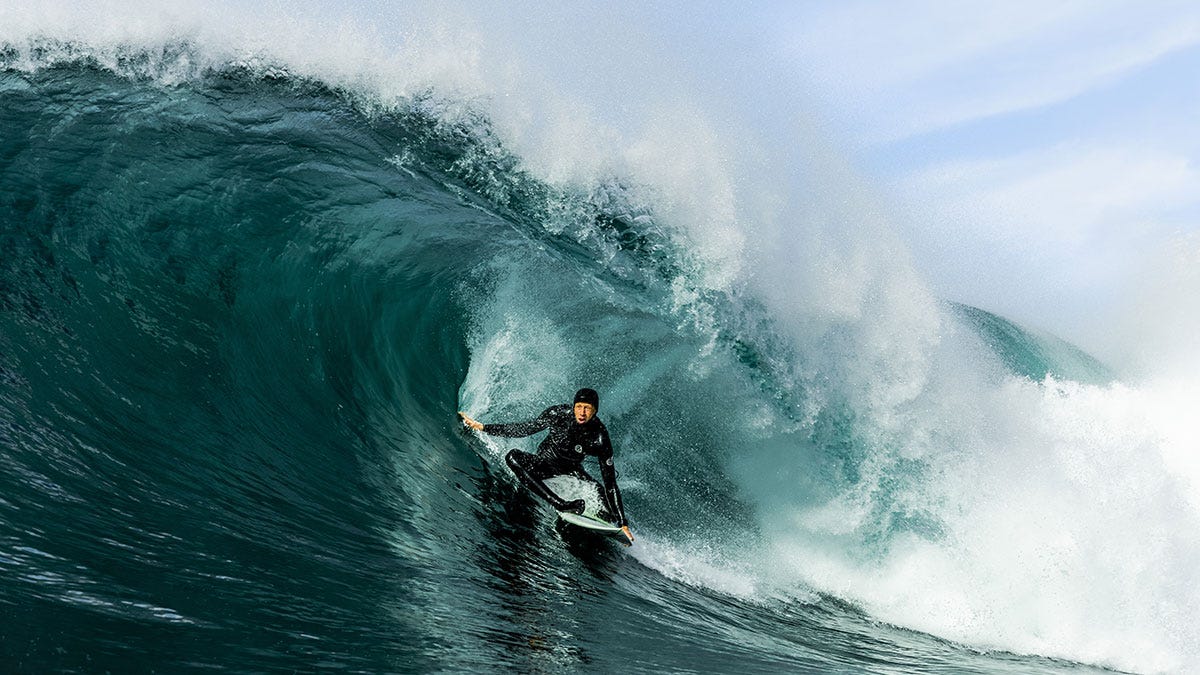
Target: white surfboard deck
589, 522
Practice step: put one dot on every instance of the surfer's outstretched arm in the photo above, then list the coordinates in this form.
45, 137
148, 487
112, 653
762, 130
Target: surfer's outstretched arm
512, 429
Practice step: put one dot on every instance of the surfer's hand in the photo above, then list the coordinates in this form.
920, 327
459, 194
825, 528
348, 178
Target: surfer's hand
466, 420
625, 529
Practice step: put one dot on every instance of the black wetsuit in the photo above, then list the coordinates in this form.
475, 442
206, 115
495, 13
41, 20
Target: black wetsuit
561, 453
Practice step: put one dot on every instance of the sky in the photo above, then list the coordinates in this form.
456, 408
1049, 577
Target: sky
1042, 157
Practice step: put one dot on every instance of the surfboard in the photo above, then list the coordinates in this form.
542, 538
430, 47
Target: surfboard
590, 522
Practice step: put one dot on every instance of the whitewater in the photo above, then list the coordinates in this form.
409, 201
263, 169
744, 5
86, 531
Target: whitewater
254, 260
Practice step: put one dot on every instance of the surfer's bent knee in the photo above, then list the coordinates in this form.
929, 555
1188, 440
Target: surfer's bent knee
512, 459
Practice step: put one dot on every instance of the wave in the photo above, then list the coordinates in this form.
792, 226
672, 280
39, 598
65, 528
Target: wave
243, 295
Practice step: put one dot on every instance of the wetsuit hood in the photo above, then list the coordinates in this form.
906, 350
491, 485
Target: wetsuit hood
588, 396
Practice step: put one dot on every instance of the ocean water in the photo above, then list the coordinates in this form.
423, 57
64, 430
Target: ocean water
243, 293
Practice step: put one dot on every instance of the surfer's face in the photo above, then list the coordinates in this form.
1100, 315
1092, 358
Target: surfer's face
584, 412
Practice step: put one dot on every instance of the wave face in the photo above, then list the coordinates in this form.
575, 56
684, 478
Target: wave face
239, 308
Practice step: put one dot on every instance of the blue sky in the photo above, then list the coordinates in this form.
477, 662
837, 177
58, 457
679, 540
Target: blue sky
1043, 155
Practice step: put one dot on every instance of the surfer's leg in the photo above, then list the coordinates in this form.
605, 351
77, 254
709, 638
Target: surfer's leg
587, 477
531, 473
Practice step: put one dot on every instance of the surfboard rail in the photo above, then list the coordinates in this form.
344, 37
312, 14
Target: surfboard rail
590, 522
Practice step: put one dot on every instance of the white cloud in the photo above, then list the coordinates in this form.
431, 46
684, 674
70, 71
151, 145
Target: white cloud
876, 46
1042, 77
1055, 236
925, 65
1065, 196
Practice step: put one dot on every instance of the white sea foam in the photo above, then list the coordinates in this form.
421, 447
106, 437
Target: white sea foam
1063, 534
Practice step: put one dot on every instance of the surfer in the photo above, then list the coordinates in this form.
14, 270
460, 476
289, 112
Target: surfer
575, 432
